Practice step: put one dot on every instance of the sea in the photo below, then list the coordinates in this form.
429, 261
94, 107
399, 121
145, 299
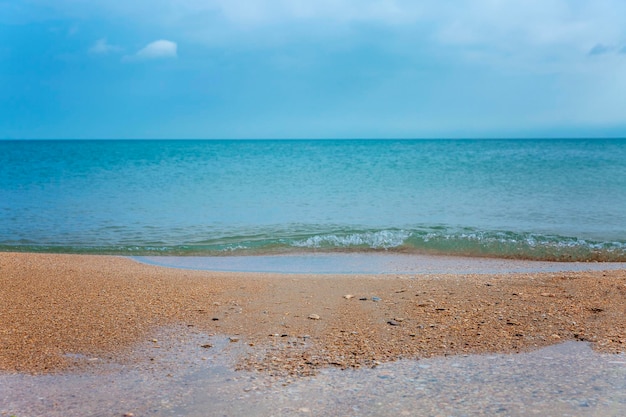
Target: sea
550, 200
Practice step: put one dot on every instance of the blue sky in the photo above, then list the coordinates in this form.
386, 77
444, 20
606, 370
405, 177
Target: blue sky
312, 69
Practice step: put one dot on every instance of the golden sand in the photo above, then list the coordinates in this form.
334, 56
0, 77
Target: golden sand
54, 305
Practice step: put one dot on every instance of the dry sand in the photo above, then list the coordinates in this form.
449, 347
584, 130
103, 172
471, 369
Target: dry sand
55, 305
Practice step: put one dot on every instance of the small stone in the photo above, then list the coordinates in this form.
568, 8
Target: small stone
206, 346
393, 323
314, 317
129, 415
348, 296
233, 339
215, 319
363, 299
375, 299
154, 341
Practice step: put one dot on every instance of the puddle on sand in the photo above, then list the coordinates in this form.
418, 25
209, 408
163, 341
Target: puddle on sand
186, 380
370, 263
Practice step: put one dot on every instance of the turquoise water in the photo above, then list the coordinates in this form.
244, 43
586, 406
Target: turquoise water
525, 199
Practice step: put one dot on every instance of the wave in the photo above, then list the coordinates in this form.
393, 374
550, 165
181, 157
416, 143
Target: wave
439, 240
381, 239
499, 244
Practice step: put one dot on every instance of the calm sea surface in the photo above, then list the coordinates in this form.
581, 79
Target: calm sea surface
526, 199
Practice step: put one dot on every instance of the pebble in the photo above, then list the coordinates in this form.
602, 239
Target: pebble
375, 298
314, 317
348, 296
233, 339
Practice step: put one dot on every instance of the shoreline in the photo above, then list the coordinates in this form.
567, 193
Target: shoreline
58, 309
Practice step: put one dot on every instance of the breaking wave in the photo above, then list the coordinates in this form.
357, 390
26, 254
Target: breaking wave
426, 240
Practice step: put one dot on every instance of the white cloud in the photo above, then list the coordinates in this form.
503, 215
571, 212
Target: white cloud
103, 47
531, 35
158, 49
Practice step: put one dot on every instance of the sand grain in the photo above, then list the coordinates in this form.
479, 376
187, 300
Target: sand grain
54, 305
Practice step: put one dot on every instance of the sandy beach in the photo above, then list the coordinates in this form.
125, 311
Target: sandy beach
57, 310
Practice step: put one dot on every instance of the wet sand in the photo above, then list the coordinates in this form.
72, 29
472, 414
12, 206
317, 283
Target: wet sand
566, 379
59, 311
372, 263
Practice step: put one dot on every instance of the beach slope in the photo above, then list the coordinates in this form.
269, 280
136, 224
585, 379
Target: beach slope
56, 309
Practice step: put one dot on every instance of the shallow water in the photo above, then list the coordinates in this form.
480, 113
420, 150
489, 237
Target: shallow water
528, 199
184, 379
371, 263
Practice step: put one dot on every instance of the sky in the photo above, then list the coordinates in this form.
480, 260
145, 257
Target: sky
90, 69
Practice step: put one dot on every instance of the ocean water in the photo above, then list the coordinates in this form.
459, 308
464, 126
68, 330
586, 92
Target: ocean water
524, 199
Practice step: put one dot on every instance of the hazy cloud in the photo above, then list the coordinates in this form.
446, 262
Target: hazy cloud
512, 63
103, 47
506, 25
158, 49
272, 11
599, 49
